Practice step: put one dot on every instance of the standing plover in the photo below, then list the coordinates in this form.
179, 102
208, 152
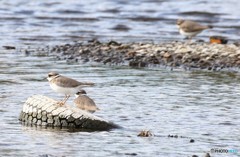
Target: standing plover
65, 85
83, 102
190, 28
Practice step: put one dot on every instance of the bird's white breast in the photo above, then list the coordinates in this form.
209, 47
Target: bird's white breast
189, 34
64, 90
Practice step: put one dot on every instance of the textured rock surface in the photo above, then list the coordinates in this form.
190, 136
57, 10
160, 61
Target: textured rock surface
198, 55
44, 111
176, 54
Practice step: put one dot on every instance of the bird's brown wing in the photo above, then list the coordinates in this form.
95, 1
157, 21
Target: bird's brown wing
68, 82
191, 26
86, 103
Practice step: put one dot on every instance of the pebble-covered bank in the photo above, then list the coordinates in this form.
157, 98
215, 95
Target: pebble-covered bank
199, 55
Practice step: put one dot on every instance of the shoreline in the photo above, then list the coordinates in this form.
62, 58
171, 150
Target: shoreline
197, 55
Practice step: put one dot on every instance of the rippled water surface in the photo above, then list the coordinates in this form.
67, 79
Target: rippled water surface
203, 106
25, 21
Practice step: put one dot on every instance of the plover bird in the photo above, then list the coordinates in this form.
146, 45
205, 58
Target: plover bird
190, 28
83, 102
65, 85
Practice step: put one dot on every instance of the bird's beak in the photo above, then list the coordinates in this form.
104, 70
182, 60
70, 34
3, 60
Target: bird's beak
45, 78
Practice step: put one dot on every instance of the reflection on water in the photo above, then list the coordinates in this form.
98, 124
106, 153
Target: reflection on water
199, 105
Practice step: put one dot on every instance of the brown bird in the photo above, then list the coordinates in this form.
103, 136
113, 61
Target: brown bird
83, 102
190, 28
65, 85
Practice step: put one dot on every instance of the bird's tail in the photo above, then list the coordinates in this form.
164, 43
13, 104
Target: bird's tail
87, 84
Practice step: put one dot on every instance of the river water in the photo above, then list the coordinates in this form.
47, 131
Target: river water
198, 105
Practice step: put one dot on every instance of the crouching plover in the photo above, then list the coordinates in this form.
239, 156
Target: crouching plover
190, 28
65, 85
83, 102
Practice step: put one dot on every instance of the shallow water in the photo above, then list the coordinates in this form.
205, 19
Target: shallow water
196, 105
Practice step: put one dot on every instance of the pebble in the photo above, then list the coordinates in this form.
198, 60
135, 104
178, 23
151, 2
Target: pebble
200, 55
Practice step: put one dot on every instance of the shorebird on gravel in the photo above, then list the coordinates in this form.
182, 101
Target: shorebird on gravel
190, 28
83, 102
65, 85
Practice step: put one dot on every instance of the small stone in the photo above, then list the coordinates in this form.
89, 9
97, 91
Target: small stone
145, 133
167, 55
192, 141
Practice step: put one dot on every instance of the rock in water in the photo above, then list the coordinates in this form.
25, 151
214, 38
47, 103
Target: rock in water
43, 111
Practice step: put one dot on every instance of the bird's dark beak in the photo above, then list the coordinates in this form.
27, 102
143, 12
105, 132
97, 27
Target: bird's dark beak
45, 78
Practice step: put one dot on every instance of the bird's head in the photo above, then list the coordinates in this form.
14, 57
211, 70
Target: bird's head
179, 22
80, 92
52, 75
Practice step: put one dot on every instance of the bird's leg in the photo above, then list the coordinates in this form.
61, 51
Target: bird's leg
189, 40
61, 103
66, 98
